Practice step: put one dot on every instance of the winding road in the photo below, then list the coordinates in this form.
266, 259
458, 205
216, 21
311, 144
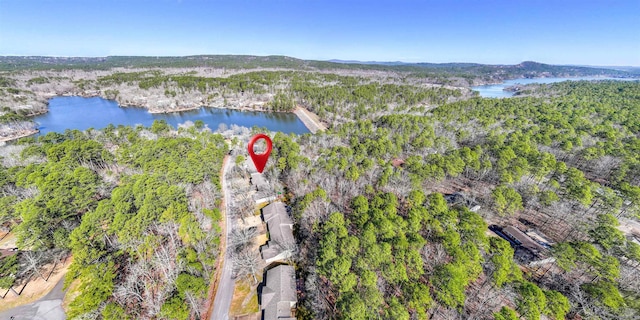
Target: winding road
226, 285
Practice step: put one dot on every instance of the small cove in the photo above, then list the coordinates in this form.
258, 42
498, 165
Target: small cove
497, 90
83, 113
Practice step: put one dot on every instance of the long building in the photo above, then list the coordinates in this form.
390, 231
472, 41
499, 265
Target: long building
280, 228
278, 298
523, 240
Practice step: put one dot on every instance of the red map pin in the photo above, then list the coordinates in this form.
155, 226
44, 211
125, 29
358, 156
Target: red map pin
260, 160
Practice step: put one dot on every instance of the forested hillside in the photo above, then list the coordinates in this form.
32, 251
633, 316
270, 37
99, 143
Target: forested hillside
332, 96
337, 92
335, 97
135, 207
380, 240
444, 70
405, 209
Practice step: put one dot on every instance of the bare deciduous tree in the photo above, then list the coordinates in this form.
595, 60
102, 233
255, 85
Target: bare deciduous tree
33, 262
240, 238
194, 303
246, 263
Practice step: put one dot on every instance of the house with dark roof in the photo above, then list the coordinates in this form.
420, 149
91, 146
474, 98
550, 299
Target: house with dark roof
540, 238
278, 298
264, 192
280, 227
8, 252
523, 240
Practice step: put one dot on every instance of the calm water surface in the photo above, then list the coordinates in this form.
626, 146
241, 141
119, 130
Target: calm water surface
84, 113
497, 90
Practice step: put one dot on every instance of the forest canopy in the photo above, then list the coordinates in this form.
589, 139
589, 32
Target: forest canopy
380, 240
417, 203
137, 210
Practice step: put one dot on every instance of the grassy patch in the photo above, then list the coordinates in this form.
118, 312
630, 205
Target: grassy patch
245, 298
260, 240
252, 305
259, 207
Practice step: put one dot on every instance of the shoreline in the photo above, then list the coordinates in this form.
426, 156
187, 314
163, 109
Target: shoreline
571, 78
309, 119
156, 111
20, 134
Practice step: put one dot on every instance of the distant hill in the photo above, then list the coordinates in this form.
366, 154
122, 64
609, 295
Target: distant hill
631, 69
223, 61
384, 63
635, 70
527, 69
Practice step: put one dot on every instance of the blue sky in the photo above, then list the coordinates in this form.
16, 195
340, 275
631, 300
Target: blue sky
553, 31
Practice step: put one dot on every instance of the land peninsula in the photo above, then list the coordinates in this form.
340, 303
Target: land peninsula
175, 84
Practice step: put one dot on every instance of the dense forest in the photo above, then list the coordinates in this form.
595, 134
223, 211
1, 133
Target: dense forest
465, 70
401, 208
381, 241
273, 83
331, 96
135, 207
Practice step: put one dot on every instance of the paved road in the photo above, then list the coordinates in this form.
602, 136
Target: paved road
47, 308
226, 285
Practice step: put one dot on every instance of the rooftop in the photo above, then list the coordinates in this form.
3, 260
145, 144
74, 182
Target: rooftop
524, 240
279, 293
8, 252
279, 223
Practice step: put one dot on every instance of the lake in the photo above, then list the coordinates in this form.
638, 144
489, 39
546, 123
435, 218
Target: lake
497, 90
84, 113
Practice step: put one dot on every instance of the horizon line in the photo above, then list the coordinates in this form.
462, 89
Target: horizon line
332, 60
